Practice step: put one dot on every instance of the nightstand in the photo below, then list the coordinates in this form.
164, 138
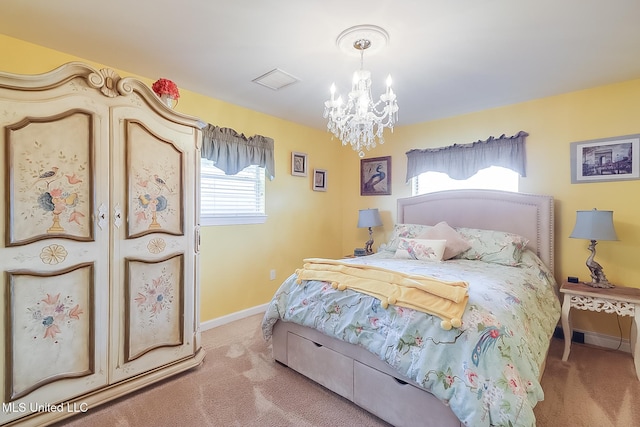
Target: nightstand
620, 300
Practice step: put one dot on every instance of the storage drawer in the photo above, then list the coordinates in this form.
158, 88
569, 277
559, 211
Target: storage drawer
321, 364
412, 406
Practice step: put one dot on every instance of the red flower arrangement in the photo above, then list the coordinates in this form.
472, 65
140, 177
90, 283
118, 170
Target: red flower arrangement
166, 87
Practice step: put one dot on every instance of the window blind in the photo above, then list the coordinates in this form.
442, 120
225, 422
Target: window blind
221, 195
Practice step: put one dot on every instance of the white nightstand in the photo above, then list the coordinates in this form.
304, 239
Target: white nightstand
620, 300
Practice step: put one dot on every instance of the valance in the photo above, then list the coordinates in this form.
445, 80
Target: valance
461, 161
232, 152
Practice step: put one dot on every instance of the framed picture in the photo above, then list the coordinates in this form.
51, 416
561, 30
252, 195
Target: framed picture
607, 159
375, 176
319, 180
298, 164
49, 175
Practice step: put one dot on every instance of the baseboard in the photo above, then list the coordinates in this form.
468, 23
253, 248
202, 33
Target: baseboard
219, 321
607, 341
597, 339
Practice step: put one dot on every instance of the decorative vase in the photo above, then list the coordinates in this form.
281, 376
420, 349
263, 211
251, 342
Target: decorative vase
167, 99
55, 227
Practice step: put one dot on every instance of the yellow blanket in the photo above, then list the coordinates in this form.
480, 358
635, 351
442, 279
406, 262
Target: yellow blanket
446, 300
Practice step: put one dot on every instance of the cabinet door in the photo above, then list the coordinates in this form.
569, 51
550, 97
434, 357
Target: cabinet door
153, 199
53, 256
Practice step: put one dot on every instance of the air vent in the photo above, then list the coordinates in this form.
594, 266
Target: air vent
276, 79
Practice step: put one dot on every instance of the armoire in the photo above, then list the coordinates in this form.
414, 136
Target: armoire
99, 241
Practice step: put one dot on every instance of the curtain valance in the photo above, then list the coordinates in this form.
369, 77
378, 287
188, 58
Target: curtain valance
461, 161
232, 152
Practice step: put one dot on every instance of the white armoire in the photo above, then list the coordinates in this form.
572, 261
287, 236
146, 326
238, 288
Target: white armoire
99, 235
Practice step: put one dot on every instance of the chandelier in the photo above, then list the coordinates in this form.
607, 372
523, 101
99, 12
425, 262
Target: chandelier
360, 121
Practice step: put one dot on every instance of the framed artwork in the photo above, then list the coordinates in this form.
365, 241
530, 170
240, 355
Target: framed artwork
154, 183
50, 316
375, 176
154, 310
319, 180
298, 164
607, 159
49, 178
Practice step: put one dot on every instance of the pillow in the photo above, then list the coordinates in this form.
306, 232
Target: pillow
498, 247
421, 249
456, 244
408, 231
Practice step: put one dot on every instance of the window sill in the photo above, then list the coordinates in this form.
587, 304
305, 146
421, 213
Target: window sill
232, 220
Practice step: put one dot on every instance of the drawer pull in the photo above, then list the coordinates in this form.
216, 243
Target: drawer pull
400, 381
316, 344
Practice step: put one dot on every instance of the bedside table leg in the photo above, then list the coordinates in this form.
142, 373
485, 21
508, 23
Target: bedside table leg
566, 326
635, 341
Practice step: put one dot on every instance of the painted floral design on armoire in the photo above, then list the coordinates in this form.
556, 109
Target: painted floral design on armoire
98, 233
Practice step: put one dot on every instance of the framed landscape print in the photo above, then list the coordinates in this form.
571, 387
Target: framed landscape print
607, 159
375, 176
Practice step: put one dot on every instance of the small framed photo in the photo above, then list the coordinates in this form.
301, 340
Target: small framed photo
319, 180
298, 164
375, 176
607, 159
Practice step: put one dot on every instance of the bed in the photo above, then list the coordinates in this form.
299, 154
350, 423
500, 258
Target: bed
416, 368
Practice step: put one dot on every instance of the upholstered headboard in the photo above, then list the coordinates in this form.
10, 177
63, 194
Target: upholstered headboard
529, 215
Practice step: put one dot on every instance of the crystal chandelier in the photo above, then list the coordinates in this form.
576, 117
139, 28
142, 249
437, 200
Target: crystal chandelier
361, 121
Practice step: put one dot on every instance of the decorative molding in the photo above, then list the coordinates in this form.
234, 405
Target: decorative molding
111, 79
621, 308
53, 254
157, 245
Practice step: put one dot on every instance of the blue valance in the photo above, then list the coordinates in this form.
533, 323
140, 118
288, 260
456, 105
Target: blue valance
461, 161
232, 152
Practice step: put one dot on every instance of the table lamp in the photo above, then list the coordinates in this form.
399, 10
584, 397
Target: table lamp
369, 218
595, 225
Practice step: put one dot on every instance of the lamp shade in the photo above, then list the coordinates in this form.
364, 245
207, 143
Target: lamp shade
594, 225
369, 218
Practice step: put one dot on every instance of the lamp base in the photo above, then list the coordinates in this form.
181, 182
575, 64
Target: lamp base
368, 246
359, 252
598, 278
605, 285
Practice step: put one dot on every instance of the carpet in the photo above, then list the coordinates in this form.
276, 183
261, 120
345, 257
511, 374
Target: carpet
239, 384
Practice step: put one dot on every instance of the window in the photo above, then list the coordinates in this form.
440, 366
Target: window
491, 178
231, 199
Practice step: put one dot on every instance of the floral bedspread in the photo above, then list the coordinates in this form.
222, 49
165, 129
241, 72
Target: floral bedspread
487, 371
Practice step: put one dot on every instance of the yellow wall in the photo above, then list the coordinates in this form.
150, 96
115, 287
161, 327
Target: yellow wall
236, 259
552, 123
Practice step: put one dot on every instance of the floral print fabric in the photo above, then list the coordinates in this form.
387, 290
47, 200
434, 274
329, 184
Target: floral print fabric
422, 249
487, 370
493, 246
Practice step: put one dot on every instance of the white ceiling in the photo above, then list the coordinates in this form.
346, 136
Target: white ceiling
446, 57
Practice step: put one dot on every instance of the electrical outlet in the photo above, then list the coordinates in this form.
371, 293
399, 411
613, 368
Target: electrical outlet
272, 275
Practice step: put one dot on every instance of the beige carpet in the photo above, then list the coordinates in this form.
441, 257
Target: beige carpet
239, 384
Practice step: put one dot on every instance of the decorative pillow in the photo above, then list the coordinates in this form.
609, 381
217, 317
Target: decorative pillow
408, 231
455, 243
421, 249
498, 247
